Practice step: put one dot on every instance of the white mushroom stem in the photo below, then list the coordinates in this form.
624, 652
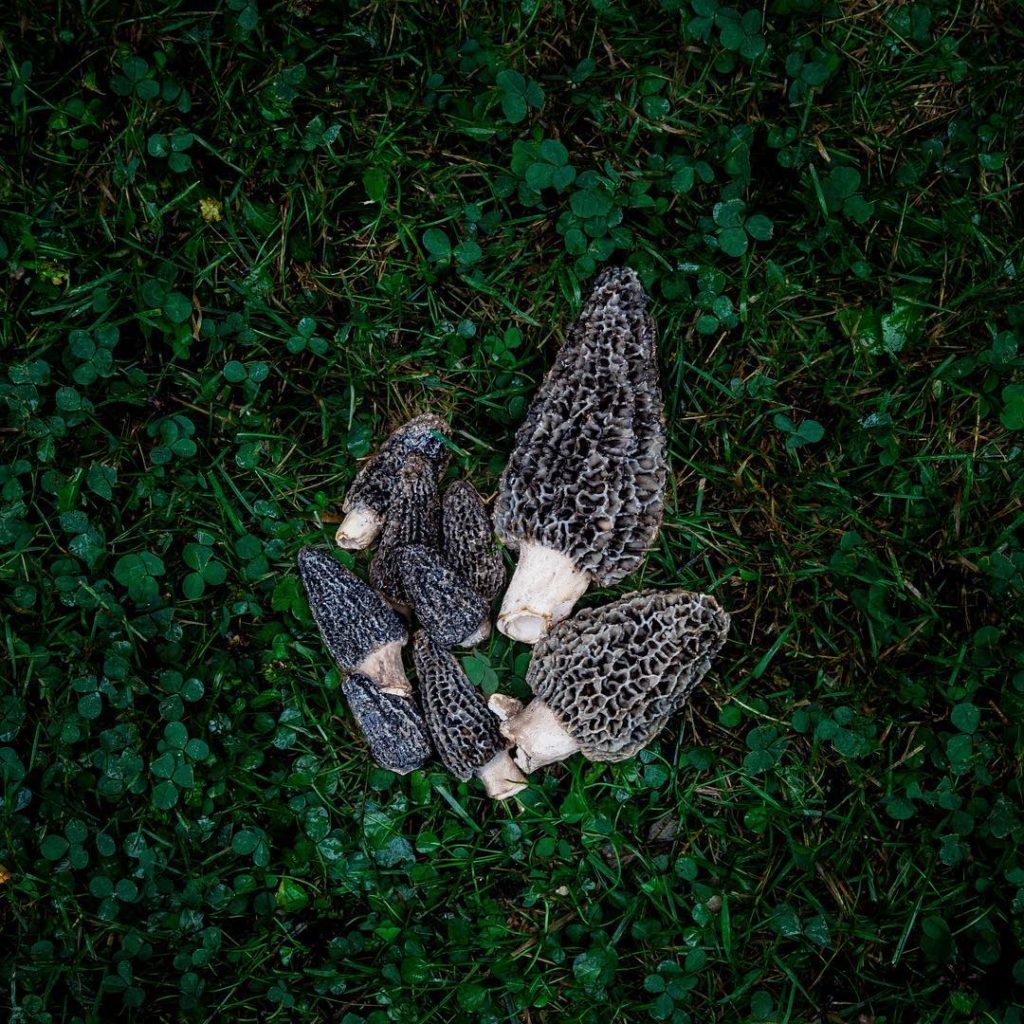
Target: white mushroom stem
538, 736
501, 777
384, 667
504, 706
544, 588
358, 529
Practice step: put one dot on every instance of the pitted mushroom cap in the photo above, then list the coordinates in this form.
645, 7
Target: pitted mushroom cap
393, 726
446, 606
614, 675
587, 474
413, 517
468, 540
368, 499
464, 731
353, 619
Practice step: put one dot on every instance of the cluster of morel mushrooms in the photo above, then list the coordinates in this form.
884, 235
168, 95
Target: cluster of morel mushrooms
581, 502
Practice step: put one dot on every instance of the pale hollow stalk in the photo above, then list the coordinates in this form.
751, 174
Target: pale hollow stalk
501, 777
384, 667
544, 588
539, 737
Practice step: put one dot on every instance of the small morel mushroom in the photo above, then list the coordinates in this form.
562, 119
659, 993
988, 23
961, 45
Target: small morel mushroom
393, 726
581, 497
369, 497
468, 540
413, 517
361, 632
446, 606
465, 733
607, 681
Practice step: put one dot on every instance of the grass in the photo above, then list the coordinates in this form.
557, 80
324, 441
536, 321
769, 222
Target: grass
242, 241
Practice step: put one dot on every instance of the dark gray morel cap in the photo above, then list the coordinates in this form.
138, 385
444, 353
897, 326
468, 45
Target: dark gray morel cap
607, 681
447, 607
464, 732
413, 517
368, 499
393, 726
361, 632
581, 497
468, 542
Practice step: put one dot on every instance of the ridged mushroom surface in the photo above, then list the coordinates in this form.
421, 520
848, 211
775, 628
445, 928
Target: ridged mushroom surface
395, 730
468, 540
464, 731
368, 499
607, 681
361, 633
413, 517
581, 496
447, 607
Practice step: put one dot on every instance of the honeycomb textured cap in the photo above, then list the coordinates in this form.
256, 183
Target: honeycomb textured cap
464, 731
375, 483
353, 619
616, 674
447, 607
413, 517
468, 541
395, 730
587, 473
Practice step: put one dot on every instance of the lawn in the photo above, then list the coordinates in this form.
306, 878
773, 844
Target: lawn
243, 240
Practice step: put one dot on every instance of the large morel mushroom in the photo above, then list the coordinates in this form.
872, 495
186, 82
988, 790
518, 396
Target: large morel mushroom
360, 631
607, 681
581, 497
368, 499
464, 731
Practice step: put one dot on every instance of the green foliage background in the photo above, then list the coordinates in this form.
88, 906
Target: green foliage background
242, 240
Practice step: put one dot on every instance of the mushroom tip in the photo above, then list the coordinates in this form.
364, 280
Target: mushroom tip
358, 529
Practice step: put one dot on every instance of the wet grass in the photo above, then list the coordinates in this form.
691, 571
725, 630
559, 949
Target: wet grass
241, 243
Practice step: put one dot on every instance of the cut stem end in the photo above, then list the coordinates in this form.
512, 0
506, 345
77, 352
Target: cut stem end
544, 588
501, 778
358, 529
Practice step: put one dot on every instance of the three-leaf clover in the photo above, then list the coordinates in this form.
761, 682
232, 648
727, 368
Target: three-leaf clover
305, 337
734, 227
205, 569
807, 432
551, 168
839, 190
138, 572
519, 94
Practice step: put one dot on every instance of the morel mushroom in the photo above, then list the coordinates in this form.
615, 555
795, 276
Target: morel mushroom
361, 632
607, 681
581, 497
468, 540
465, 733
369, 497
413, 517
447, 607
393, 726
